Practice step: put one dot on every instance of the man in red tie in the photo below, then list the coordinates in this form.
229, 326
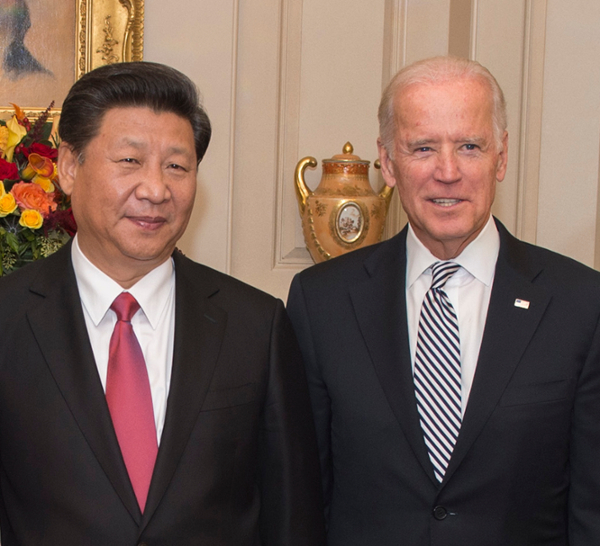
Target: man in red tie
144, 398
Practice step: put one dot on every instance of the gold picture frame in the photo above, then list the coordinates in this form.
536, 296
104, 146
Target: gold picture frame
104, 32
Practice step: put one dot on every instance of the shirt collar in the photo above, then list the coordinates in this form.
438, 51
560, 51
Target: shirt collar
97, 290
478, 258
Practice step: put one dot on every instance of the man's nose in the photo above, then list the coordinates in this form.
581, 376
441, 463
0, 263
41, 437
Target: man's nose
153, 186
447, 169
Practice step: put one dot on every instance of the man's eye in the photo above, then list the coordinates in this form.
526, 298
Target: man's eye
471, 146
177, 167
423, 149
129, 160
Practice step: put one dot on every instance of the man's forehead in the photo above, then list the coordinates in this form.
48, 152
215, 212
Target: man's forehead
127, 116
115, 113
468, 89
118, 130
455, 100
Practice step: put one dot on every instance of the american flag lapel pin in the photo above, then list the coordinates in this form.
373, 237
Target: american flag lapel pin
521, 304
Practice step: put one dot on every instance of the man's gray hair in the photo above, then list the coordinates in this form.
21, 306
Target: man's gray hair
434, 71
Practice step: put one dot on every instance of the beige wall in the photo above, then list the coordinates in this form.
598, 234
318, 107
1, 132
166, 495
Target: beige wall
199, 38
283, 79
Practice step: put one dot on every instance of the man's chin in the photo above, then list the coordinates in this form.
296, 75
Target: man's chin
448, 239
155, 254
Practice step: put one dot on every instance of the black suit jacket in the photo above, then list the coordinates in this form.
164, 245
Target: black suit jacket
237, 463
526, 467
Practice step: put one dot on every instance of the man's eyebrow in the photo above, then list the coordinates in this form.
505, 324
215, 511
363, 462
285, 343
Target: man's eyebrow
472, 140
180, 150
421, 142
126, 141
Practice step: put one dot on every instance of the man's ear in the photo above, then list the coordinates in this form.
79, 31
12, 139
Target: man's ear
387, 166
67, 165
502, 159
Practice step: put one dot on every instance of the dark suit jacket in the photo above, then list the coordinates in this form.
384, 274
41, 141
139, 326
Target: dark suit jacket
237, 463
526, 467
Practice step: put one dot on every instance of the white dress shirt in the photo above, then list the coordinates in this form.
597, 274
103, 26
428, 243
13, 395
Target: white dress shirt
153, 324
469, 291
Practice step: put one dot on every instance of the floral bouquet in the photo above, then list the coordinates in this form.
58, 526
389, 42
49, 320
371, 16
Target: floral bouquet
35, 214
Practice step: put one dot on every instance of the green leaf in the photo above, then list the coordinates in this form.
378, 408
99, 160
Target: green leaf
46, 130
28, 234
13, 242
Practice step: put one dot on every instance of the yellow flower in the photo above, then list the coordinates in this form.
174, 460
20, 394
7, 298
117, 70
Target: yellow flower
31, 219
7, 204
2, 190
45, 183
3, 138
15, 134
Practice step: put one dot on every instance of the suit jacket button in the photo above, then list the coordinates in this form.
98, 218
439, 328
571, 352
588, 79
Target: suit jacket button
440, 513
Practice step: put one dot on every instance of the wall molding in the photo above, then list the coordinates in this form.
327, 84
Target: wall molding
531, 120
232, 134
288, 252
394, 58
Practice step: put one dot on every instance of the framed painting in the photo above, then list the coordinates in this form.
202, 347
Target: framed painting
46, 45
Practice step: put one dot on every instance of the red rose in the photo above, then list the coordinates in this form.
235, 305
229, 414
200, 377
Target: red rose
41, 149
8, 171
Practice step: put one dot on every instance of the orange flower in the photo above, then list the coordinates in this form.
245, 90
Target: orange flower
38, 164
32, 196
18, 111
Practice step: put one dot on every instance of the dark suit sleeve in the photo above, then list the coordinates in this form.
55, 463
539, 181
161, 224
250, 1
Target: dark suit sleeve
319, 397
584, 464
291, 500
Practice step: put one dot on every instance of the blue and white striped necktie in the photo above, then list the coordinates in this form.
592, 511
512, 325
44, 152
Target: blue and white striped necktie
437, 372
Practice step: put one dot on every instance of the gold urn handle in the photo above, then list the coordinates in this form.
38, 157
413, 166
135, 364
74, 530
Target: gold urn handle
302, 191
386, 192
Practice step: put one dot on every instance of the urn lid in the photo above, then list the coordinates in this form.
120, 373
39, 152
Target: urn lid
347, 156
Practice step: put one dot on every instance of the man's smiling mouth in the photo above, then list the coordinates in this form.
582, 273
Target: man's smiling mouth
446, 202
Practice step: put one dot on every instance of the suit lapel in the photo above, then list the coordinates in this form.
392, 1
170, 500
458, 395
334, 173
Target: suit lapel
388, 345
508, 331
69, 356
380, 306
199, 331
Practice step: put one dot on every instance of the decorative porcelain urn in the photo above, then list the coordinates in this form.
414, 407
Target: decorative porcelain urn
343, 213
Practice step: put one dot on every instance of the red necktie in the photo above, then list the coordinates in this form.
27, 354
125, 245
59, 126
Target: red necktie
130, 400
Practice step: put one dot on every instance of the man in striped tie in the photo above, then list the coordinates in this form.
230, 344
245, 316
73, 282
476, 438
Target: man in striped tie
454, 371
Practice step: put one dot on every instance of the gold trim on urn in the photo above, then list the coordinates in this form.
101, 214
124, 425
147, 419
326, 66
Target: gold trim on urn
343, 213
